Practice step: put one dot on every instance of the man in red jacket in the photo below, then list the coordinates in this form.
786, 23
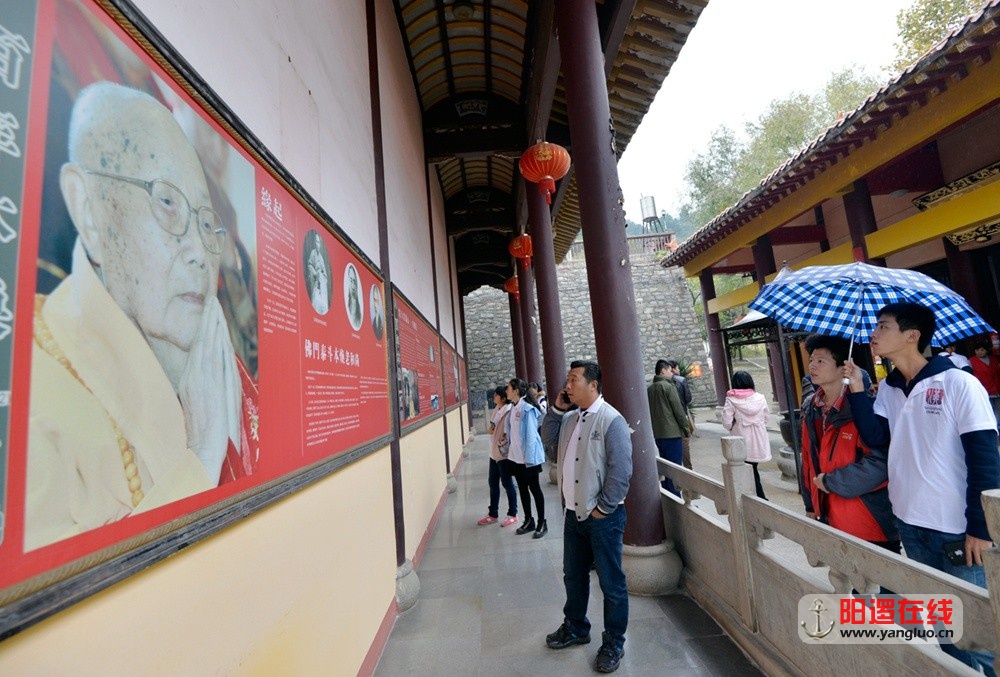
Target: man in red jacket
840, 489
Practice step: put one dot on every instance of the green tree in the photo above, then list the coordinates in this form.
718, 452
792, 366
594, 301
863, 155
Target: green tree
713, 177
925, 23
731, 165
723, 285
778, 133
846, 90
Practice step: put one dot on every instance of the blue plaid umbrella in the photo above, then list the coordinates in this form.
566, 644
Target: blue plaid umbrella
843, 301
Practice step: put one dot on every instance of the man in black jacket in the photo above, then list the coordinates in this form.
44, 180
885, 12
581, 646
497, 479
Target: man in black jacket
684, 391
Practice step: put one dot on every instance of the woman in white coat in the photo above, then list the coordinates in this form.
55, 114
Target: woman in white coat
745, 414
501, 469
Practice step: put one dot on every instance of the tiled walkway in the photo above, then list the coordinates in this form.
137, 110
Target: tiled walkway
488, 597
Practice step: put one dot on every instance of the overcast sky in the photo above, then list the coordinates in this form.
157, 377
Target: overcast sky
740, 56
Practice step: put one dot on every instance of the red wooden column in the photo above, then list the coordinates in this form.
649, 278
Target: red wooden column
465, 349
716, 348
549, 311
861, 220
515, 333
529, 334
609, 277
962, 271
764, 265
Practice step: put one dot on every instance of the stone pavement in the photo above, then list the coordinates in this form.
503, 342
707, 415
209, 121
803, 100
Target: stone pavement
488, 597
706, 457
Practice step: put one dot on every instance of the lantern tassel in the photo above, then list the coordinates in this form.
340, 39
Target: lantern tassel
547, 186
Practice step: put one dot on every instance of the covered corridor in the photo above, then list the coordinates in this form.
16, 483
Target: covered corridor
373, 154
488, 597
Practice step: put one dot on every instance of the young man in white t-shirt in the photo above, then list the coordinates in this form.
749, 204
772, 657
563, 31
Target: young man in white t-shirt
959, 360
938, 426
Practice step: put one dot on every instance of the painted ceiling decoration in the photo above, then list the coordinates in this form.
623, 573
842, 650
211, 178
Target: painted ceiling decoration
487, 78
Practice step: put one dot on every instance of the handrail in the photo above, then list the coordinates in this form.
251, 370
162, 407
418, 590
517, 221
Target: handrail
734, 576
694, 485
859, 565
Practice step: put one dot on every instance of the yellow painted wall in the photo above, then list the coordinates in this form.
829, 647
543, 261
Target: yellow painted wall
455, 437
424, 473
299, 588
303, 586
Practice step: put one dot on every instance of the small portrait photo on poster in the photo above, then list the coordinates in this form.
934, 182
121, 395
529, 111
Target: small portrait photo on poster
352, 297
409, 395
377, 312
316, 272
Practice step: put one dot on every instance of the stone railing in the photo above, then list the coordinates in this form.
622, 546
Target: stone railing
637, 244
750, 568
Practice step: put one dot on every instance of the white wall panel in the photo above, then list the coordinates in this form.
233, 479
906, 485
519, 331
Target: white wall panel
405, 186
296, 74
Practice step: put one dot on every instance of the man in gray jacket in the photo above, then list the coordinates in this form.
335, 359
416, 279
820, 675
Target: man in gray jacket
594, 453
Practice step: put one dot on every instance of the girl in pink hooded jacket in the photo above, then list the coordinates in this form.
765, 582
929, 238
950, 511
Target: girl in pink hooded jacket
745, 414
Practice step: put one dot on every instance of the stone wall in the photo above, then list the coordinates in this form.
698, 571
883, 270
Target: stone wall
489, 347
668, 326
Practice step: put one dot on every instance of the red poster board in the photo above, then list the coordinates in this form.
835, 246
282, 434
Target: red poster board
182, 329
420, 393
463, 375
449, 362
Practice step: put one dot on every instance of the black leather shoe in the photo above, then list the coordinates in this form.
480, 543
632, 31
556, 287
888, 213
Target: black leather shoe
542, 529
529, 525
609, 657
564, 637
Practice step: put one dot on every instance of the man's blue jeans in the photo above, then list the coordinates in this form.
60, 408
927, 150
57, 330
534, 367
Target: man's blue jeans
500, 472
670, 449
927, 547
596, 542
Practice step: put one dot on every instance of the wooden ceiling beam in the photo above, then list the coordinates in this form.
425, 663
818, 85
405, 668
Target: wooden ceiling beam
542, 58
735, 269
611, 41
797, 235
667, 12
636, 61
479, 143
656, 31
638, 42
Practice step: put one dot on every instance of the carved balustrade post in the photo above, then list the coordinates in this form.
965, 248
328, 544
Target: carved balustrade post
737, 477
991, 560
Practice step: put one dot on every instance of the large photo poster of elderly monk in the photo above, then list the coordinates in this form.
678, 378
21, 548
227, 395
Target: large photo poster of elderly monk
172, 364
144, 356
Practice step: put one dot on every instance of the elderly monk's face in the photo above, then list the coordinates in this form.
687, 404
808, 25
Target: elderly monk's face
161, 281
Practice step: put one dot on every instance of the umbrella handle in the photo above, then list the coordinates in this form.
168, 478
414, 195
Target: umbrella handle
850, 351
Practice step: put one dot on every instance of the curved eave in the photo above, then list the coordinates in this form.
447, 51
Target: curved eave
954, 79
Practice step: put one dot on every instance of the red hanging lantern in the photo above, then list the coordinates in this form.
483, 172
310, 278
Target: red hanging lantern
520, 248
544, 164
511, 287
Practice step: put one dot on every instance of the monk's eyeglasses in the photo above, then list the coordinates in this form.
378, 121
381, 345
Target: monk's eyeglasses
173, 211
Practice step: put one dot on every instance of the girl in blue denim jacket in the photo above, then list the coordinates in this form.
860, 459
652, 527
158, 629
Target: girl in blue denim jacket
526, 453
